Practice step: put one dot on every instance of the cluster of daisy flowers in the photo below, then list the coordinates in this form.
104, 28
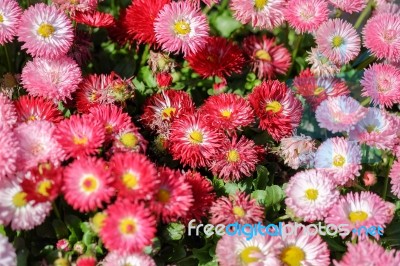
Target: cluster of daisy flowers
70, 140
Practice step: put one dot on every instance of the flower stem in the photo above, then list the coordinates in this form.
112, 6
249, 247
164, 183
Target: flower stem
56, 211
367, 10
8, 58
386, 181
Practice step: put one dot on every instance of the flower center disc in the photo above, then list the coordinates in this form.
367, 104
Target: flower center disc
44, 187
339, 160
273, 106
127, 226
311, 194
163, 195
90, 184
196, 137
226, 113
292, 256
358, 216
337, 41
260, 4
45, 30
263, 55
239, 211
233, 156
80, 141
1, 18
129, 140
318, 91
168, 112
181, 27
130, 181
19, 199
247, 254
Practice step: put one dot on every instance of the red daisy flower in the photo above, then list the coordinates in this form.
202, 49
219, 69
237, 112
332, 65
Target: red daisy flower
227, 111
267, 58
193, 141
135, 175
43, 183
94, 18
86, 261
235, 159
174, 197
164, 80
80, 135
276, 106
162, 108
36, 108
219, 57
237, 208
87, 184
129, 140
317, 89
128, 227
203, 196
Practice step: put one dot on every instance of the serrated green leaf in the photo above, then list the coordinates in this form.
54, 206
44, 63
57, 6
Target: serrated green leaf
174, 231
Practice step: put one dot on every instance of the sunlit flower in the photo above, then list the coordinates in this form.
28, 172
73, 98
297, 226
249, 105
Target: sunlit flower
349, 6
9, 149
8, 115
94, 19
10, 14
297, 151
7, 252
321, 65
36, 108
395, 178
117, 259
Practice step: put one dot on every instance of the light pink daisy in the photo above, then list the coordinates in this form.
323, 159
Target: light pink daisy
7, 252
321, 65
38, 144
297, 151
10, 14
77, 5
368, 252
360, 209
301, 248
349, 6
116, 259
395, 178
8, 115
238, 250
338, 114
340, 159
45, 31
306, 15
381, 36
338, 40
260, 13
375, 129
54, 79
238, 207
181, 27
9, 149
87, 184
381, 82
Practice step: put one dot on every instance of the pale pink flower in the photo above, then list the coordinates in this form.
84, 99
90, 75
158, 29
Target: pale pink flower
7, 252
321, 65
8, 114
395, 178
8, 152
10, 14
349, 6
77, 5
297, 151
369, 178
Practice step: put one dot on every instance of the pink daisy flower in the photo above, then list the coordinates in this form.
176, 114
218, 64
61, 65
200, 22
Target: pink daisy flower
135, 176
193, 141
349, 6
129, 140
87, 184
297, 151
305, 15
173, 197
45, 31
54, 79
227, 111
235, 159
80, 135
261, 13
360, 209
38, 144
238, 250
321, 66
237, 208
36, 108
310, 194
267, 58
381, 36
338, 40
8, 115
368, 252
375, 129
278, 109
340, 159
395, 178
128, 228
77, 5
116, 259
301, 248
181, 27
9, 149
381, 82
16, 211
7, 252
10, 14
338, 114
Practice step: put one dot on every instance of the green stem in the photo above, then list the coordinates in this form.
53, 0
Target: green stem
386, 182
367, 10
8, 58
366, 102
296, 45
56, 211
359, 187
144, 55
281, 218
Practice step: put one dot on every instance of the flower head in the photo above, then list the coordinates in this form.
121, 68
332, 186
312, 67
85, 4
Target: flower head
395, 178
116, 259
77, 5
10, 14
7, 252
94, 18
129, 140
349, 6
8, 115
36, 108
321, 66
9, 149
297, 151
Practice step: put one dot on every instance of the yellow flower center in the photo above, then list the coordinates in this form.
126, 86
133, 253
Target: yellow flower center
318, 91
19, 199
1, 18
168, 112
263, 55
98, 220
339, 160
43, 188
358, 216
337, 41
45, 30
127, 226
163, 195
181, 27
247, 254
89, 184
292, 256
130, 181
109, 129
80, 141
233, 156
371, 128
273, 106
239, 211
260, 4
226, 113
196, 137
129, 140
311, 194
74, 2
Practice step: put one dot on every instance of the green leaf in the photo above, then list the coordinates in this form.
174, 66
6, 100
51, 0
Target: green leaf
88, 238
203, 253
274, 195
146, 75
74, 224
335, 244
231, 188
260, 196
262, 177
225, 24
174, 231
60, 228
22, 257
